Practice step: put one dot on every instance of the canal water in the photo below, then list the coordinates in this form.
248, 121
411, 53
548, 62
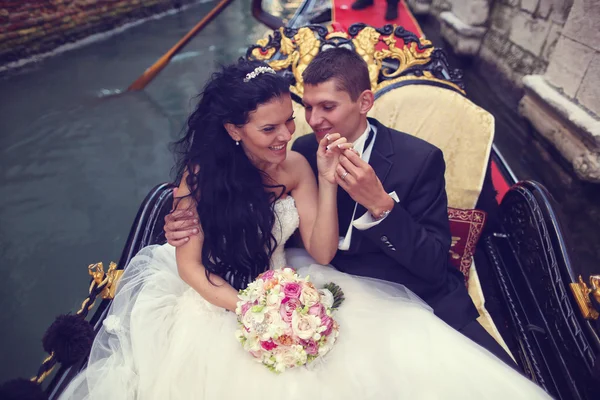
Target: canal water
77, 159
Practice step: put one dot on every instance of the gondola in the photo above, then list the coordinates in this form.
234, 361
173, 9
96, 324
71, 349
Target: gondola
507, 234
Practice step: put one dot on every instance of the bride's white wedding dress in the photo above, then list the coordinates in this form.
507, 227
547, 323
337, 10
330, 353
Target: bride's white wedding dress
162, 340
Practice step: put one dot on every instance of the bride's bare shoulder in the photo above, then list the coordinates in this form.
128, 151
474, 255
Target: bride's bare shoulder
295, 160
296, 169
296, 165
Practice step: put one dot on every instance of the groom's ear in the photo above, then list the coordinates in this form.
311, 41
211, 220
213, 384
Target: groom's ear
365, 101
233, 131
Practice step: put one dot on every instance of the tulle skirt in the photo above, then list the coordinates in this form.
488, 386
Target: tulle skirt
162, 340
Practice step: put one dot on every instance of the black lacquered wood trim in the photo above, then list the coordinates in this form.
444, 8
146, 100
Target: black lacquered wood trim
531, 262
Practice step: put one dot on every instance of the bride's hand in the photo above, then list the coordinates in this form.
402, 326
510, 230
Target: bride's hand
328, 155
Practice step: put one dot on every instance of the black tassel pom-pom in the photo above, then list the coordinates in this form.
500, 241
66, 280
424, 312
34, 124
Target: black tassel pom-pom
21, 389
70, 337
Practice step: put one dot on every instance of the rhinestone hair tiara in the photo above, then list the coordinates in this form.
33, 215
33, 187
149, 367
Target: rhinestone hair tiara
257, 71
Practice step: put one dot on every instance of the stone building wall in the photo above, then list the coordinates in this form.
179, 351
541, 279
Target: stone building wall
574, 66
29, 27
549, 53
438, 6
522, 36
558, 38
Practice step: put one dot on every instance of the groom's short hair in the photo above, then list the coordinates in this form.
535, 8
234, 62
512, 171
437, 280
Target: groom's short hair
349, 70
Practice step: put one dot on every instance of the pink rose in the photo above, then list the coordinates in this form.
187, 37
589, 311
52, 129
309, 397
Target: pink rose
268, 345
292, 290
317, 309
287, 308
311, 347
245, 308
328, 323
267, 275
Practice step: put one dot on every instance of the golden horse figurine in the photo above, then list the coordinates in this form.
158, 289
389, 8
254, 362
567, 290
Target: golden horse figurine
307, 48
365, 43
300, 52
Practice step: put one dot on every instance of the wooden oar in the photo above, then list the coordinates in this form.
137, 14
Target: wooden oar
141, 82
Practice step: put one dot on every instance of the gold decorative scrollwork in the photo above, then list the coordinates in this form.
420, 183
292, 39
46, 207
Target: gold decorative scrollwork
267, 54
407, 56
582, 294
287, 48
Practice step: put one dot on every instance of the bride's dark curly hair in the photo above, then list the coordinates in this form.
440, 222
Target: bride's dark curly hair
235, 205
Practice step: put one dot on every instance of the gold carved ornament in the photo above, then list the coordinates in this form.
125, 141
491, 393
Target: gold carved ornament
305, 45
582, 294
300, 52
108, 281
408, 56
365, 43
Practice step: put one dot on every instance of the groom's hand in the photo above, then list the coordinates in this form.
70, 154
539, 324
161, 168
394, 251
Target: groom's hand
358, 178
180, 225
328, 153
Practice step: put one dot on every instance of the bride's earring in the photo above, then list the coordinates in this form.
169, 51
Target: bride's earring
237, 142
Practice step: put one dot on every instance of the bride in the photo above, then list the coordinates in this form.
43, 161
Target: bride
170, 330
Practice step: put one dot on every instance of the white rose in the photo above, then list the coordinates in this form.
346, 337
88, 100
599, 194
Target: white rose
326, 298
305, 326
284, 359
309, 296
292, 356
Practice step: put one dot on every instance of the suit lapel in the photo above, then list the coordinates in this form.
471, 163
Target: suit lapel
383, 150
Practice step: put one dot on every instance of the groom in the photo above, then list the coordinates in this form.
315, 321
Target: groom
392, 205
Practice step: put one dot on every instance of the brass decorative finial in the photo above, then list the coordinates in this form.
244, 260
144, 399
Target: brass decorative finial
582, 294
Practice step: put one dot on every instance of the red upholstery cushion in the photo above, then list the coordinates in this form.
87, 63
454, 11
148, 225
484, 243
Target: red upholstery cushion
466, 227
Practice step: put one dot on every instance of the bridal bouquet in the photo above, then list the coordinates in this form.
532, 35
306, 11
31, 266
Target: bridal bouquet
285, 321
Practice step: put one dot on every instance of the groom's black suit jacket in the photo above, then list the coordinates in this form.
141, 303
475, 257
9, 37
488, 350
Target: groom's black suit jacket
410, 246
